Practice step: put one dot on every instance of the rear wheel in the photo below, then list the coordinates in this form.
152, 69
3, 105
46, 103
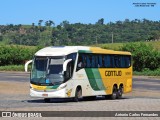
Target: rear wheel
120, 92
78, 94
114, 93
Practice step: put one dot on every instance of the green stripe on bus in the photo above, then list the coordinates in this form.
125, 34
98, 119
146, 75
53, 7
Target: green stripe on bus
84, 51
91, 79
53, 87
98, 79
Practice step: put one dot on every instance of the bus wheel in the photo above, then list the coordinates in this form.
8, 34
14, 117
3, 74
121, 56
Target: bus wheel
78, 94
120, 92
114, 93
47, 100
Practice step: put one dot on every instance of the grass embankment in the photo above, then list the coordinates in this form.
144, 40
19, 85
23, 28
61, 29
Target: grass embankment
147, 72
117, 46
13, 68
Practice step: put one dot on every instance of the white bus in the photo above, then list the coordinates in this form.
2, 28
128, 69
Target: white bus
79, 71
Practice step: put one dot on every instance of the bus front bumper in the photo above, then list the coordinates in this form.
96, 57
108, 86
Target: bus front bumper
56, 94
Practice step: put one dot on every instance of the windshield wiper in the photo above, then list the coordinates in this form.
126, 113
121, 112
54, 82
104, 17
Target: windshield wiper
56, 83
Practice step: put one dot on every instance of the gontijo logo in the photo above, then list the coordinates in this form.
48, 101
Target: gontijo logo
113, 73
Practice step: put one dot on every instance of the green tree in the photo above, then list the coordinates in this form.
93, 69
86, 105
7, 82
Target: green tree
40, 22
144, 56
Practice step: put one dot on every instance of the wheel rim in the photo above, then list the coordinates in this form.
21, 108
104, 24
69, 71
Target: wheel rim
79, 93
114, 94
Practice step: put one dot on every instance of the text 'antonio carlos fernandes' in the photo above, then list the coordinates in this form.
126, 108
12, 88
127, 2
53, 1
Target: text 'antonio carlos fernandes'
139, 114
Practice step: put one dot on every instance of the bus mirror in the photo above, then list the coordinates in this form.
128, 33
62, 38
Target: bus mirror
65, 64
26, 65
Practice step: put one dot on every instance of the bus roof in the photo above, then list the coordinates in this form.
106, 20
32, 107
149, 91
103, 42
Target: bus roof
65, 50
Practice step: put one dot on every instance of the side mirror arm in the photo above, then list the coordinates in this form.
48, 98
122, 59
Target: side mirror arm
65, 64
26, 65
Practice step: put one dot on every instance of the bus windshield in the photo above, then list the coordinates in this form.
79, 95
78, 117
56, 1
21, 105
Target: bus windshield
47, 70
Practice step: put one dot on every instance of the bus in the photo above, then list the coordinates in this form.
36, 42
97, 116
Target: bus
80, 72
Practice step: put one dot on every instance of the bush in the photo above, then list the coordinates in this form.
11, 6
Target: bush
15, 55
144, 56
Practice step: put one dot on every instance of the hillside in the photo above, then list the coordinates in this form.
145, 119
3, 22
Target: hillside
80, 34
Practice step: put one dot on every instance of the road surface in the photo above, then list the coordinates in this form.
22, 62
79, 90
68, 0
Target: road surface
14, 95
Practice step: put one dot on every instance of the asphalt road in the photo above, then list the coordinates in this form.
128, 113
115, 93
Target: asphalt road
14, 95
14, 76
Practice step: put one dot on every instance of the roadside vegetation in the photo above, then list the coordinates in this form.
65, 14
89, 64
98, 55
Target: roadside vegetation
145, 57
18, 43
117, 46
14, 68
148, 72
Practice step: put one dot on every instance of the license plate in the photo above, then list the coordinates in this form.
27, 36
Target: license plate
45, 95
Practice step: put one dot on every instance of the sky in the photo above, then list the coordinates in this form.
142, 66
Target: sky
27, 12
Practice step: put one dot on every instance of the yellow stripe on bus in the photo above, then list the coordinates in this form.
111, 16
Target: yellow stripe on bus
38, 87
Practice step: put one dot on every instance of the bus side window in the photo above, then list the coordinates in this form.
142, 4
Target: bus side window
127, 61
123, 61
84, 60
117, 61
107, 61
93, 61
69, 71
97, 65
80, 63
72, 56
103, 61
89, 61
100, 61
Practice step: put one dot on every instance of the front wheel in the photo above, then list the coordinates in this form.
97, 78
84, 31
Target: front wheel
78, 94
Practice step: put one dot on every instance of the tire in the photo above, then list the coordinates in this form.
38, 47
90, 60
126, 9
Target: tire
114, 93
120, 92
47, 100
78, 94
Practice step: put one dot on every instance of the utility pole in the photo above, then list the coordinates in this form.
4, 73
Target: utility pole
96, 40
112, 37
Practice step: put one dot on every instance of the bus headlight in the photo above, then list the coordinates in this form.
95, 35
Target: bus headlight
62, 86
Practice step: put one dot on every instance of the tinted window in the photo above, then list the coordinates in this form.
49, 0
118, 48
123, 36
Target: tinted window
117, 61
72, 56
104, 61
100, 61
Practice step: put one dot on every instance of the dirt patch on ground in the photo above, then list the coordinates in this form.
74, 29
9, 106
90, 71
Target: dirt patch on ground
14, 87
